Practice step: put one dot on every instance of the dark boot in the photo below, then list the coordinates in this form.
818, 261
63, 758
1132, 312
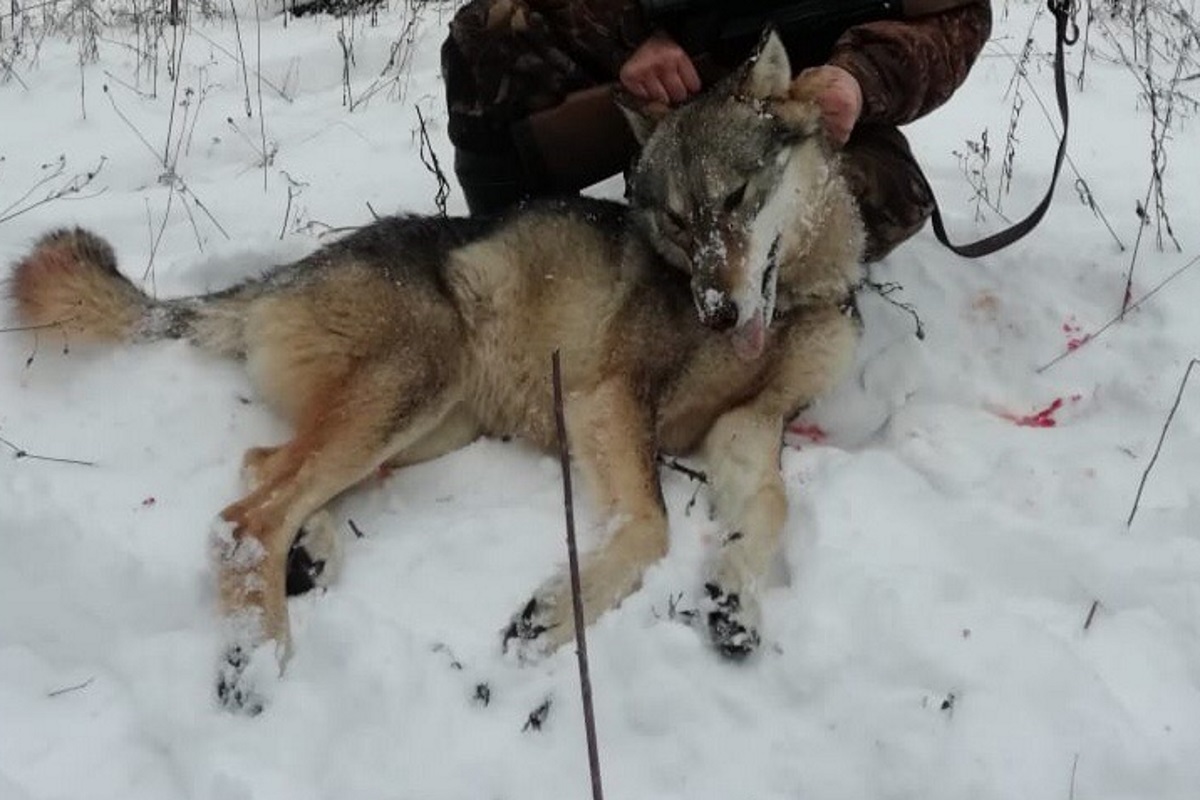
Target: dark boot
491, 182
893, 196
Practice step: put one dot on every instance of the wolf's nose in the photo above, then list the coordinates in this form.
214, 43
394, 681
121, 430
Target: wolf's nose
717, 310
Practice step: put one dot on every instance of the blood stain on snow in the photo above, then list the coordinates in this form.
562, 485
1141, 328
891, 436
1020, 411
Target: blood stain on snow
1075, 336
1040, 419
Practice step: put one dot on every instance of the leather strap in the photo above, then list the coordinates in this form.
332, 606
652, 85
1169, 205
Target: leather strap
1065, 33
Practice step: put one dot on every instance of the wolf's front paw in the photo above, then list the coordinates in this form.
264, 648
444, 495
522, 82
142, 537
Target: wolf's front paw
235, 689
732, 621
540, 627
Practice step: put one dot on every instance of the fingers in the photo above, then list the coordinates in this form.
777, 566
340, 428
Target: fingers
666, 85
836, 93
688, 74
660, 70
672, 83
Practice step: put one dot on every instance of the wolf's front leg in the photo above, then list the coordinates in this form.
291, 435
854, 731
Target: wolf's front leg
612, 440
742, 455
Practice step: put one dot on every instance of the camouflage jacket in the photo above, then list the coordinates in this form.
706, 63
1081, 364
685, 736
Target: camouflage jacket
505, 59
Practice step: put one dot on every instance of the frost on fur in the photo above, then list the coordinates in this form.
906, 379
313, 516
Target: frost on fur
249, 665
239, 553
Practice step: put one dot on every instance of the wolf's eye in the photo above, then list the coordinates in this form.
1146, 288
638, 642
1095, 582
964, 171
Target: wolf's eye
735, 198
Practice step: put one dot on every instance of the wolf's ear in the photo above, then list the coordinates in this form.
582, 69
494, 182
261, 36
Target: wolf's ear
768, 72
643, 116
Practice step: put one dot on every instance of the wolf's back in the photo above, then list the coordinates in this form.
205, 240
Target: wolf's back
70, 281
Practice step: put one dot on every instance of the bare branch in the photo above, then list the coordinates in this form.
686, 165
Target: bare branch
430, 160
1087, 623
20, 453
68, 189
1161, 438
1118, 318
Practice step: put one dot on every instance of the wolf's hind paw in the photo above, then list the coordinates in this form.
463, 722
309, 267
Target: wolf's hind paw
234, 690
729, 627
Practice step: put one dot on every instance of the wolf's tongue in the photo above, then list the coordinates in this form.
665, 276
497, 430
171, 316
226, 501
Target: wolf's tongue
749, 338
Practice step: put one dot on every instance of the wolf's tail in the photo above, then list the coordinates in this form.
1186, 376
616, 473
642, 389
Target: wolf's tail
70, 281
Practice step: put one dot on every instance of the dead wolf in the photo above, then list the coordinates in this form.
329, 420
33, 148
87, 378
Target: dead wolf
413, 336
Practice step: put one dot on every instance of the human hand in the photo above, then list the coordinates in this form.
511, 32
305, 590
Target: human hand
837, 93
660, 70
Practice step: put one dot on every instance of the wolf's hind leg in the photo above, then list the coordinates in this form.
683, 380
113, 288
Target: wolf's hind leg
612, 438
315, 557
742, 455
341, 438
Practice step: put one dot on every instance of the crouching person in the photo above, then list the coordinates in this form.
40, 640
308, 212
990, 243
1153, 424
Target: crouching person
528, 85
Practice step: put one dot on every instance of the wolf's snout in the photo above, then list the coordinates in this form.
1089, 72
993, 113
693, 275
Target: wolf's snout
717, 309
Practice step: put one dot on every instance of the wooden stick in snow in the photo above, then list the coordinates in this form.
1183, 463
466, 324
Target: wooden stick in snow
585, 681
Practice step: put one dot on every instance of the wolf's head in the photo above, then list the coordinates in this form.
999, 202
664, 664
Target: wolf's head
728, 183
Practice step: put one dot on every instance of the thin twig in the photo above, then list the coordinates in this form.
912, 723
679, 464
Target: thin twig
186, 190
241, 58
218, 46
71, 689
430, 160
43, 326
287, 212
68, 190
347, 60
294, 188
129, 87
74, 688
167, 163
1161, 438
675, 464
1086, 195
129, 123
20, 452
1087, 623
149, 271
187, 209
585, 681
262, 123
1118, 318
885, 291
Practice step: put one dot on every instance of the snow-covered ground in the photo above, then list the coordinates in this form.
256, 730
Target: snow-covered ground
925, 637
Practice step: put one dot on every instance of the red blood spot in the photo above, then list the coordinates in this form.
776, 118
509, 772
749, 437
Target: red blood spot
148, 502
807, 430
1040, 419
1072, 330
